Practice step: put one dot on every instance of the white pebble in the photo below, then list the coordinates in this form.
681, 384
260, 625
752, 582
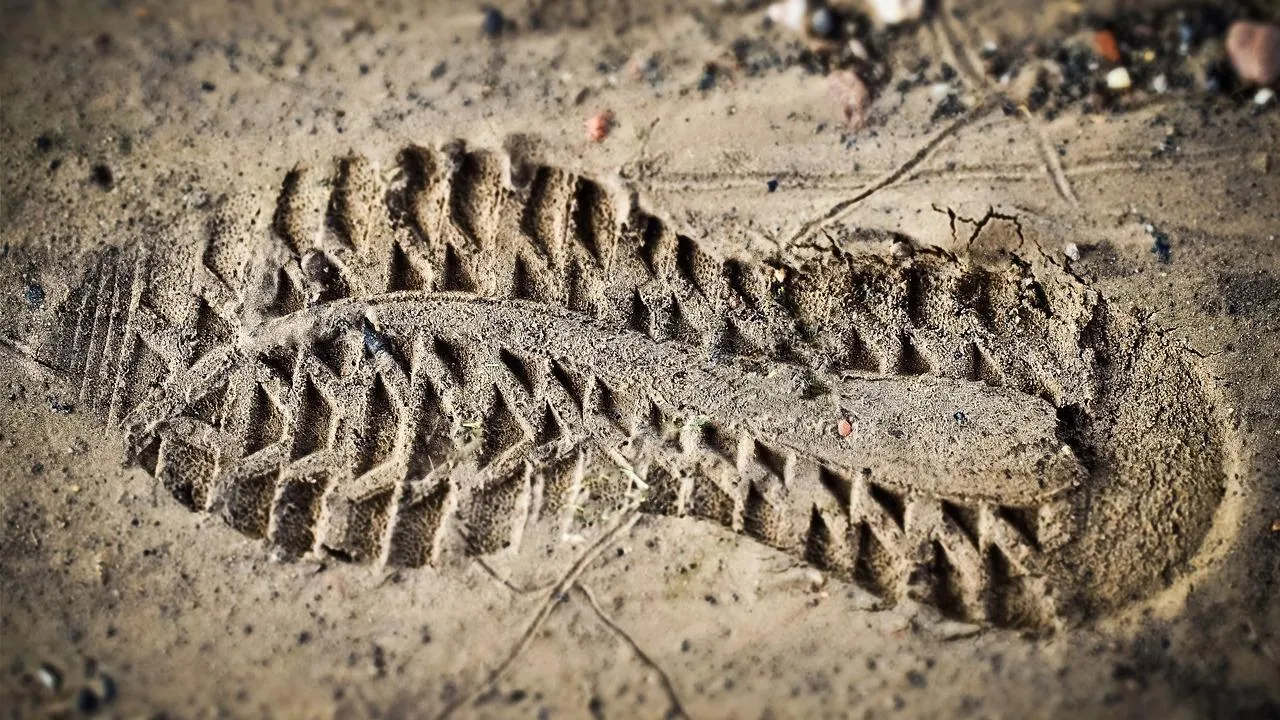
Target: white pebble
892, 12
1071, 250
1264, 96
790, 14
1160, 83
1119, 79
48, 677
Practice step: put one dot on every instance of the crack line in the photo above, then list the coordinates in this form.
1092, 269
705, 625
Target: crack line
840, 209
625, 521
676, 706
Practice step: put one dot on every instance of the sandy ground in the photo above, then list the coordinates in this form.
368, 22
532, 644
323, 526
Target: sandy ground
172, 129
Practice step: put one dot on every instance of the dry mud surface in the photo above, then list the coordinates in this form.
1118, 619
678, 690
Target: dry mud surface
346, 378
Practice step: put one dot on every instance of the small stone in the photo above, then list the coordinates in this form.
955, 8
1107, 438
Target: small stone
493, 22
844, 428
1071, 250
1264, 97
790, 14
101, 176
851, 96
87, 701
1254, 49
772, 184
1118, 79
893, 12
48, 676
599, 125
35, 295
1275, 526
1104, 41
823, 23
1160, 84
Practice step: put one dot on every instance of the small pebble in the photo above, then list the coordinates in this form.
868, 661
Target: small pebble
101, 176
823, 23
492, 23
35, 295
790, 14
1264, 96
1071, 250
892, 12
87, 701
844, 428
1254, 49
599, 125
1160, 84
1118, 79
1104, 41
772, 184
48, 676
851, 96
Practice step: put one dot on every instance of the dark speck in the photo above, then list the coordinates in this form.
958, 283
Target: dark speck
208, 86
1162, 248
711, 600
916, 678
948, 73
596, 706
35, 295
439, 70
87, 701
961, 418
304, 637
772, 184
708, 79
101, 176
43, 143
492, 23
949, 107
374, 343
364, 69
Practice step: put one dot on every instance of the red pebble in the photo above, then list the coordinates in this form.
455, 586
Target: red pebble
1104, 41
1254, 49
599, 125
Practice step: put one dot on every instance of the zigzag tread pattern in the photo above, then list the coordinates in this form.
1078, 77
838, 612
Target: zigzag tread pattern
454, 362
